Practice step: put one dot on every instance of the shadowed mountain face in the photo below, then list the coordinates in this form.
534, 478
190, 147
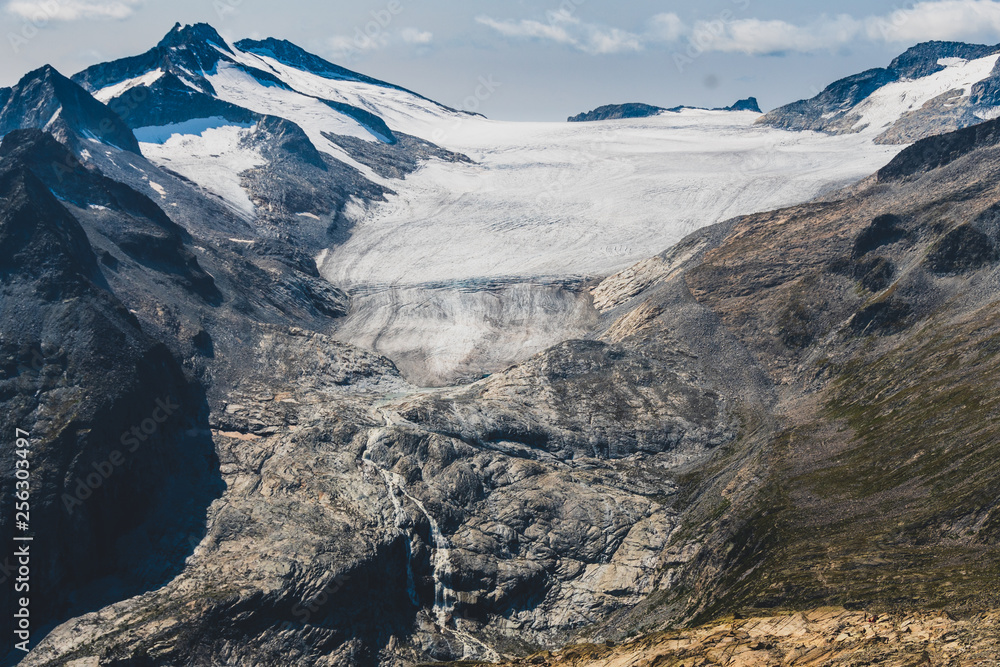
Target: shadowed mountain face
136, 225
786, 410
47, 100
112, 509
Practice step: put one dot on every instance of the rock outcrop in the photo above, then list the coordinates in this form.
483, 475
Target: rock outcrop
639, 110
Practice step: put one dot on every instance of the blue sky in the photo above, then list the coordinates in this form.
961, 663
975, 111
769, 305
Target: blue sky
528, 59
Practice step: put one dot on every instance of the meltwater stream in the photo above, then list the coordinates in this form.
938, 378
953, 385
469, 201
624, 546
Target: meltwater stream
444, 596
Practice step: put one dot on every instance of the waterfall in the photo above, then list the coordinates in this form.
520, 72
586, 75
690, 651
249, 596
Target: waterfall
399, 516
441, 569
444, 596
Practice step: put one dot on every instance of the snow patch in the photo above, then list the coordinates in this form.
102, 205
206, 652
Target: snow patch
214, 158
110, 92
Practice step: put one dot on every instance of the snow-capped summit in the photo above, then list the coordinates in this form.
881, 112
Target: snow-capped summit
269, 127
292, 55
932, 88
194, 73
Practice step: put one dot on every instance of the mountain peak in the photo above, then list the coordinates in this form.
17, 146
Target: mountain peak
747, 104
47, 100
195, 34
46, 73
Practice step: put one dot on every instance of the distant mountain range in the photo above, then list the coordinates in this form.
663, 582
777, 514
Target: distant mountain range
638, 110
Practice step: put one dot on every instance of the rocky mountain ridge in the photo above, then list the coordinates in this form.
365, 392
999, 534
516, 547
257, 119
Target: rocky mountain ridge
637, 110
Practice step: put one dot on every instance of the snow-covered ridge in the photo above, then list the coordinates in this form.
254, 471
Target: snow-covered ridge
933, 87
883, 108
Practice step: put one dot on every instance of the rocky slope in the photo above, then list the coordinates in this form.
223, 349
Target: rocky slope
824, 636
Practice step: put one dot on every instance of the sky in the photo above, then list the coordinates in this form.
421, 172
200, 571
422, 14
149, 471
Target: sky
527, 59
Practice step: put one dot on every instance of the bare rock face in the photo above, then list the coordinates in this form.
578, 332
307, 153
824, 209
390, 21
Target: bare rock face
359, 529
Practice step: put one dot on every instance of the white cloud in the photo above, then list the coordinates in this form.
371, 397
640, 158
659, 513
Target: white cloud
346, 47
665, 27
414, 36
944, 20
39, 11
968, 20
564, 28
758, 37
